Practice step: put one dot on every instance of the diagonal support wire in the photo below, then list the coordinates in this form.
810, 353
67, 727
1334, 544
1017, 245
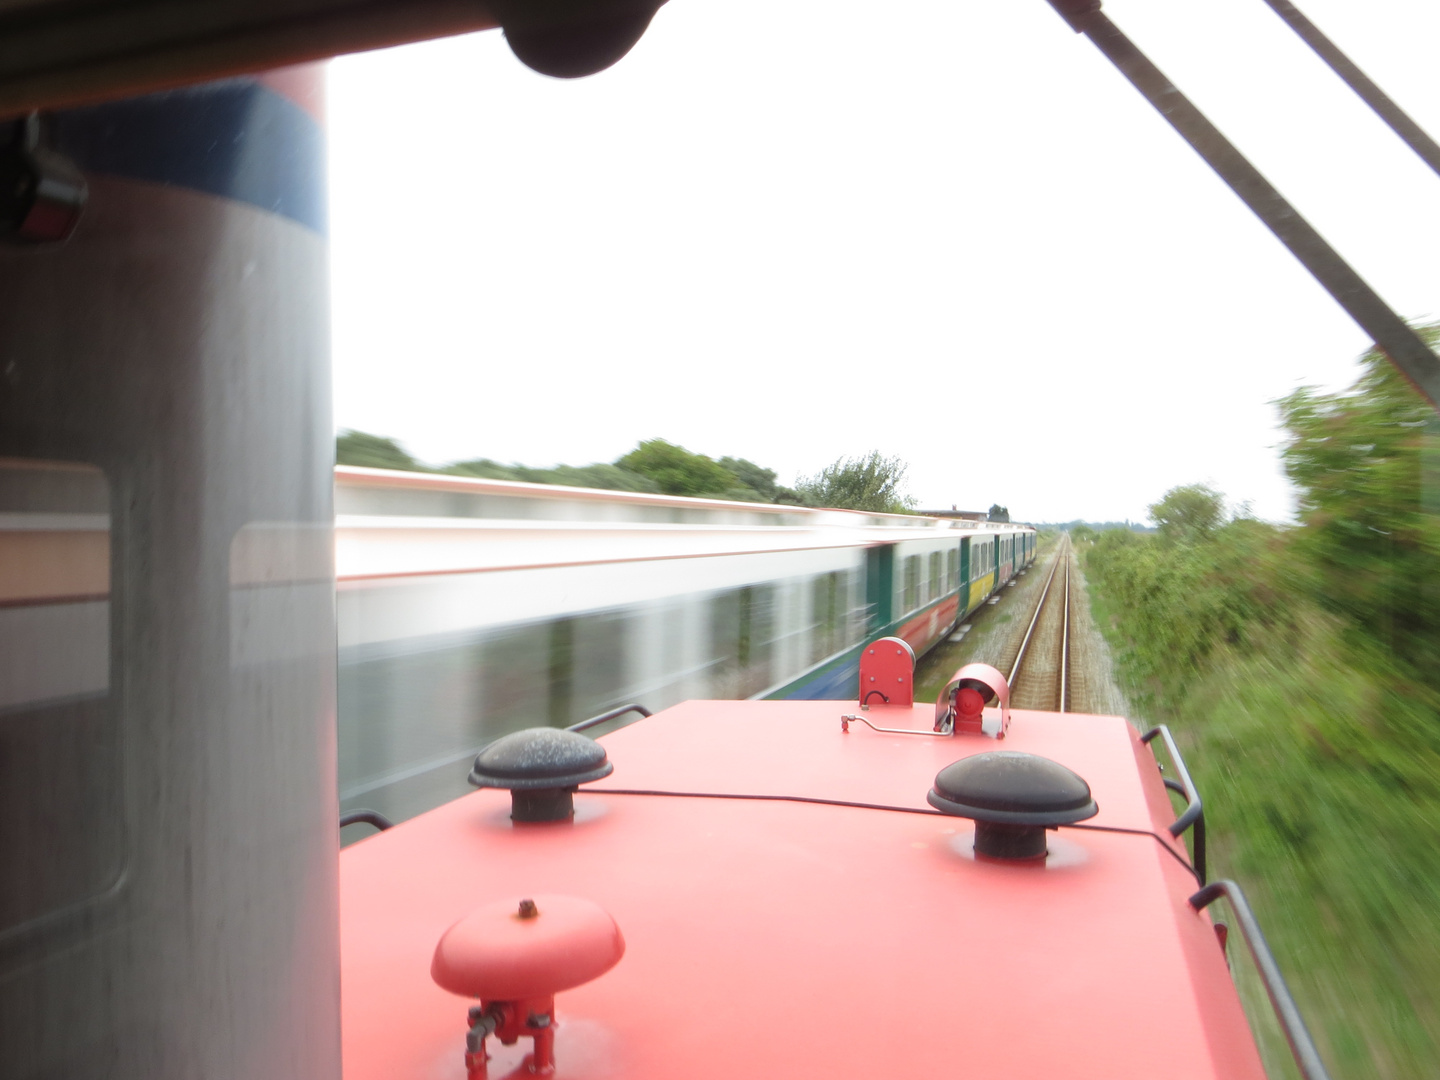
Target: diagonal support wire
1384, 105
1410, 355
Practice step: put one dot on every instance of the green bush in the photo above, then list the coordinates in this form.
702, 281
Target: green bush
1298, 668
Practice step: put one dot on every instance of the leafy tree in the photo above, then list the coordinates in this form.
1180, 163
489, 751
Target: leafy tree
1188, 513
600, 475
759, 479
790, 497
1367, 463
998, 513
485, 469
676, 471
654, 467
372, 452
871, 483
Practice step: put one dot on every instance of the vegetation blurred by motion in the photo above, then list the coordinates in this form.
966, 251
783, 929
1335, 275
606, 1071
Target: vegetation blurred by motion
871, 482
1300, 668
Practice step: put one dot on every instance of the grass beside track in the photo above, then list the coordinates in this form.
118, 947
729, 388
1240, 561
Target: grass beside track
1318, 757
1299, 667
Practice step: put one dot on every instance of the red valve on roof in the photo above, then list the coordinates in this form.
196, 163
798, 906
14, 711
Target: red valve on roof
887, 673
515, 956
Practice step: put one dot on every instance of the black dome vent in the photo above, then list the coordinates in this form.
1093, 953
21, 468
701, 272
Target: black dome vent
1012, 798
540, 767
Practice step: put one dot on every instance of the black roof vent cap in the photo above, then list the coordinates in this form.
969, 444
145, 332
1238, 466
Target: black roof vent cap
541, 768
1012, 798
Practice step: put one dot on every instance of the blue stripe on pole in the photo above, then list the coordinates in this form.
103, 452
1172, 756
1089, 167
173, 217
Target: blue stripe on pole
235, 139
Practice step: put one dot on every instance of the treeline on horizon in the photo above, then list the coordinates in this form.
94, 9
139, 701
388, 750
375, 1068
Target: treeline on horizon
1079, 529
1299, 665
871, 482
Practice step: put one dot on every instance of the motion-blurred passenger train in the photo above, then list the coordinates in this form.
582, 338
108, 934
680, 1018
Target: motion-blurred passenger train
470, 608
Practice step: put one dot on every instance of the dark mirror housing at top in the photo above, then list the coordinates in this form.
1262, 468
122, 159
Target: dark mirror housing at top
569, 39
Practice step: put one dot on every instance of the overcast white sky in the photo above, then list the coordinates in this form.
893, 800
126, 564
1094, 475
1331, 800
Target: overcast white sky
790, 230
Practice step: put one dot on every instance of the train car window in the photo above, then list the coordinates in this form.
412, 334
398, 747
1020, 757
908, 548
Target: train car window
58, 719
742, 641
410, 711
911, 597
434, 667
827, 616
934, 584
858, 621
598, 676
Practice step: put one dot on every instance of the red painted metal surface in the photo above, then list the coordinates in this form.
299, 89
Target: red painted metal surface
887, 673
921, 632
514, 956
527, 948
777, 938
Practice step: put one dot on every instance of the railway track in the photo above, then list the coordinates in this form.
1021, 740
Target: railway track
1040, 673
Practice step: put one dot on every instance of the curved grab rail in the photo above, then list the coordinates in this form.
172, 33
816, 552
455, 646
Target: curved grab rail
1194, 813
849, 718
366, 817
1286, 1011
611, 715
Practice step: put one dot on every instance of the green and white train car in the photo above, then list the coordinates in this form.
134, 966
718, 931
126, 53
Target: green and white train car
470, 608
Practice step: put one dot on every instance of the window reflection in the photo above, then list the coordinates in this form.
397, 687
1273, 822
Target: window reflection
56, 718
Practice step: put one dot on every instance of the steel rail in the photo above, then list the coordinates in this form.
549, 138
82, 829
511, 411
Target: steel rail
1065, 633
1025, 644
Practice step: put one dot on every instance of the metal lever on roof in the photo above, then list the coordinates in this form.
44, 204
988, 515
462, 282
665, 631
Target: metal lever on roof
1286, 1011
847, 718
620, 710
1395, 337
1194, 813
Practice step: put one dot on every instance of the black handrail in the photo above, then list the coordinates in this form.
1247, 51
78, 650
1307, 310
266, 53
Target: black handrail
1194, 813
366, 817
611, 715
1286, 1011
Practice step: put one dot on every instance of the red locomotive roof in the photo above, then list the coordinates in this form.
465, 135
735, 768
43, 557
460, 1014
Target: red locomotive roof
784, 938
